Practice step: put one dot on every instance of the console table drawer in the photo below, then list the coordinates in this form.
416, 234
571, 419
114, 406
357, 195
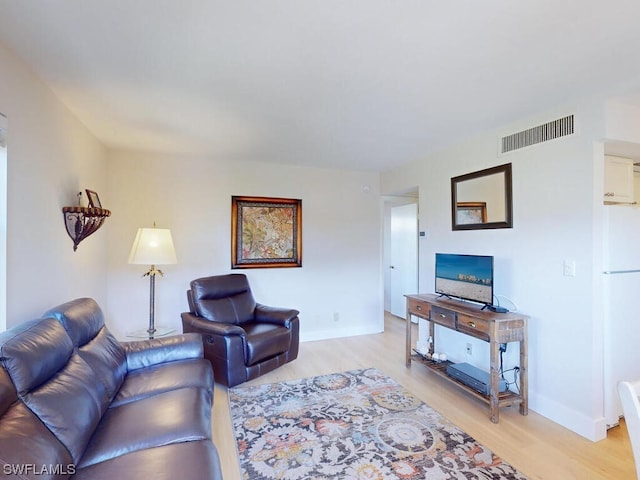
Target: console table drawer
474, 326
419, 308
443, 316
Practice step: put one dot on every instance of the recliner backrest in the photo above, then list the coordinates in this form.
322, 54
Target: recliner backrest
24, 439
8, 394
223, 298
83, 320
54, 382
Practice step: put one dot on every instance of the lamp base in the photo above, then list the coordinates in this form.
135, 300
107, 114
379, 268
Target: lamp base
160, 332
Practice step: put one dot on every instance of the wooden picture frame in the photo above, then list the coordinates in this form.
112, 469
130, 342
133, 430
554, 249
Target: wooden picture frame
94, 200
471, 213
266, 232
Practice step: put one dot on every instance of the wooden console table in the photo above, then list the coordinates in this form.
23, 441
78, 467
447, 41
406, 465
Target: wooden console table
469, 319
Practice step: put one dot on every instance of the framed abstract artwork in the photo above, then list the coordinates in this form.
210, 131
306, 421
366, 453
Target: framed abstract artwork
266, 232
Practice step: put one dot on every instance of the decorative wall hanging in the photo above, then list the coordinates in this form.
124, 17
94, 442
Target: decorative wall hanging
266, 232
81, 222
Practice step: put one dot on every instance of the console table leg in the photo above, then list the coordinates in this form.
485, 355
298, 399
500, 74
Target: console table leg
408, 342
493, 388
524, 375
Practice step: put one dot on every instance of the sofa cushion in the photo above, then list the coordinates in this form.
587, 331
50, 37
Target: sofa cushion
34, 352
83, 321
24, 441
107, 359
8, 394
27, 447
164, 377
197, 460
171, 417
155, 351
82, 318
55, 383
70, 405
265, 340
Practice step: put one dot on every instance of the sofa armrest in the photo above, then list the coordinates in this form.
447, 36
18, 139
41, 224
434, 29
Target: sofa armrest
277, 315
204, 326
144, 353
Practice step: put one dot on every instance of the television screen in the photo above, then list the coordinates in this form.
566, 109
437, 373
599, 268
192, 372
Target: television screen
469, 277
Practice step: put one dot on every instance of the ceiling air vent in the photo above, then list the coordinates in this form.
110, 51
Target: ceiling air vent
542, 133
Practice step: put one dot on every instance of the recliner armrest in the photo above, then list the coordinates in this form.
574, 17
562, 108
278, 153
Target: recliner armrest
144, 353
277, 315
205, 326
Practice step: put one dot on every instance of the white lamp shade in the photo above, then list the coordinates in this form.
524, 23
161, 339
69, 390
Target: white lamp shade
153, 246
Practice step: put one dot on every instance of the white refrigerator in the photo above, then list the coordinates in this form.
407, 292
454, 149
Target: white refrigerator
621, 285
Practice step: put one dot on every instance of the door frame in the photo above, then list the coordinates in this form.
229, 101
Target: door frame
395, 200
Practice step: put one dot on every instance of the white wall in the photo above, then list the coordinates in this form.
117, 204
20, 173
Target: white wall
553, 202
622, 122
341, 229
51, 156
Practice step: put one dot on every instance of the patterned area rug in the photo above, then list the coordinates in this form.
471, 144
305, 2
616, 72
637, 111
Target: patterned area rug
352, 425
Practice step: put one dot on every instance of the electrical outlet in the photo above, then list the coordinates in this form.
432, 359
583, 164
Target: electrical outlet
503, 347
469, 349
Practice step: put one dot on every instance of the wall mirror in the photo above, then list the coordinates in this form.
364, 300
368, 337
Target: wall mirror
482, 199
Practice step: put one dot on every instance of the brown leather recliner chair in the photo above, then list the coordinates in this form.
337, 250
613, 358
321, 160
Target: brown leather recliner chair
242, 339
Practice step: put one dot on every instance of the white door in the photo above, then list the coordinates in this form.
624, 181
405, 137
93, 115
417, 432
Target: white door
403, 256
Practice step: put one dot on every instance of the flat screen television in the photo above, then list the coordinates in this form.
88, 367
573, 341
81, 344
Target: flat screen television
469, 277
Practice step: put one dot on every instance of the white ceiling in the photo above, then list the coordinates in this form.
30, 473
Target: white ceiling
362, 84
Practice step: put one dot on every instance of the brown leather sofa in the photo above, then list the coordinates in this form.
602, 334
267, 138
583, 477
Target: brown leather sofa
242, 339
76, 403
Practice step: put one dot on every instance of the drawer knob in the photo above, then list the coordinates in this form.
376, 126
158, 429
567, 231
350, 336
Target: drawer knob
472, 324
418, 307
443, 315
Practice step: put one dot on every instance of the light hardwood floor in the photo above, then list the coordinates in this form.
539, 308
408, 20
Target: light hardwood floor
534, 445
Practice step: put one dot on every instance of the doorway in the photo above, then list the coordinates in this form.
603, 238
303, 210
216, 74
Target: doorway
400, 251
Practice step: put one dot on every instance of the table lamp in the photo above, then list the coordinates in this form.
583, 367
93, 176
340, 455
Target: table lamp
152, 246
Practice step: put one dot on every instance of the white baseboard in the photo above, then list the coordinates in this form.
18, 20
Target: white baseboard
594, 429
339, 333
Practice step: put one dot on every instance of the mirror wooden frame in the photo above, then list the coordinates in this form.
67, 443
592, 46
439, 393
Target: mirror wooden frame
508, 199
